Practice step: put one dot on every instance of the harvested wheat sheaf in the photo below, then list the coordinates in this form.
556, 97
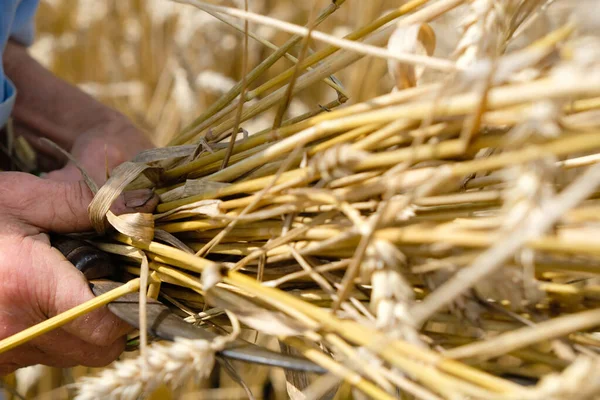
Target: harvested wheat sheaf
439, 241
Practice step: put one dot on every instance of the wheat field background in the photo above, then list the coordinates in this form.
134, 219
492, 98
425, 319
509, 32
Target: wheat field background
162, 64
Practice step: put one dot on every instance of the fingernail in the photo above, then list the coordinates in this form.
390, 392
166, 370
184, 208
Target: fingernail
137, 198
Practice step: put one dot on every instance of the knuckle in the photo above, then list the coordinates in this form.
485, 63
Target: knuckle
102, 339
108, 331
104, 355
76, 198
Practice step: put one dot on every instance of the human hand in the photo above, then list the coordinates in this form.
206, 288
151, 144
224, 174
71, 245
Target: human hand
101, 149
96, 135
37, 282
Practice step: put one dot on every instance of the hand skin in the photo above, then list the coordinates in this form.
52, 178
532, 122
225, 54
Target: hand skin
36, 281
46, 106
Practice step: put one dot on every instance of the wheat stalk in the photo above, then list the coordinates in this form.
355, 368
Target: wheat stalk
452, 219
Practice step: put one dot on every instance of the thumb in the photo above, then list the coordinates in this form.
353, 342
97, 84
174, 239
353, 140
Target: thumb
49, 205
61, 207
60, 287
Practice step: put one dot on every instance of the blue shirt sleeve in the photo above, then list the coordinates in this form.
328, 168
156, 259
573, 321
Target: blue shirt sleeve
23, 27
16, 22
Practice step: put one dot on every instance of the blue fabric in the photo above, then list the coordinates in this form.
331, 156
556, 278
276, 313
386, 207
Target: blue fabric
16, 22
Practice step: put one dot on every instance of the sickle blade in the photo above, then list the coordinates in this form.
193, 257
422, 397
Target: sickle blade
165, 324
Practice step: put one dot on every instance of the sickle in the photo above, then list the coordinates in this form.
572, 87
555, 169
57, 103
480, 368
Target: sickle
162, 322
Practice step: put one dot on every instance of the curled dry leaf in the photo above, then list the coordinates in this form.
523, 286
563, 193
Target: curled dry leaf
413, 39
136, 225
99, 208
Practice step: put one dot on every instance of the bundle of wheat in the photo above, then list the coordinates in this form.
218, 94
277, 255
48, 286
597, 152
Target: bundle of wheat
433, 242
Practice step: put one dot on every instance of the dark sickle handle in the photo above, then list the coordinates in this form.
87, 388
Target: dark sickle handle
93, 262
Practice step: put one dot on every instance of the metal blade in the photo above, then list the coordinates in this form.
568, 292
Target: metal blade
165, 324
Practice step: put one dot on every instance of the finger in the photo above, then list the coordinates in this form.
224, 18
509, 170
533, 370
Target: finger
106, 146
62, 350
48, 157
49, 205
70, 173
56, 348
61, 207
59, 287
140, 200
22, 356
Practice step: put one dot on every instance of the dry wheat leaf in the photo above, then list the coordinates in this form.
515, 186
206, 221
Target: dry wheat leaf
139, 226
164, 153
166, 237
191, 187
121, 177
413, 39
120, 249
203, 207
265, 321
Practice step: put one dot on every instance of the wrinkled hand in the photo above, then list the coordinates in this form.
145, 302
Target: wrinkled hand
37, 282
104, 146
